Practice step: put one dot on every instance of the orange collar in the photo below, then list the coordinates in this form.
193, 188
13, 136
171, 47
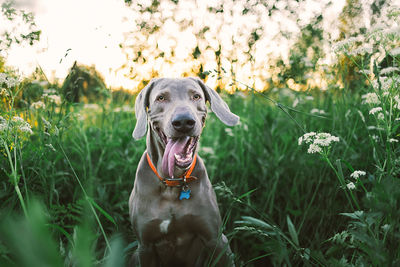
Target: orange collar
185, 178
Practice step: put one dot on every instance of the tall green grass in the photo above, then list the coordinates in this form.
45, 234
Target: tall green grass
281, 206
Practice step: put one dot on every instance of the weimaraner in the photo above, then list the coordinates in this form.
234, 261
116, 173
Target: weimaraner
173, 207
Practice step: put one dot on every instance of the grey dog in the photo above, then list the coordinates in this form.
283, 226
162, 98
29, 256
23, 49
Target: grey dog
173, 207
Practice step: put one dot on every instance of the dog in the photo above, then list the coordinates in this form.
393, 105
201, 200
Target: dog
173, 207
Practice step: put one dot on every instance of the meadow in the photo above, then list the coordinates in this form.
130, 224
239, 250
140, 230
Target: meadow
310, 176
67, 171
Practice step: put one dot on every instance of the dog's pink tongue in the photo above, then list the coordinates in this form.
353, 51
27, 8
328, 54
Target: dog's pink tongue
173, 147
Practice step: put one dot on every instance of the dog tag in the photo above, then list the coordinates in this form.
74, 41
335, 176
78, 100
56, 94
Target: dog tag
185, 194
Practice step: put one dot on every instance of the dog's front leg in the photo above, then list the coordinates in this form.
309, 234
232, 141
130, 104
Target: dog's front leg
145, 256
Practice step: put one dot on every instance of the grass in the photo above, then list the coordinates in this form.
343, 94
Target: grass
280, 205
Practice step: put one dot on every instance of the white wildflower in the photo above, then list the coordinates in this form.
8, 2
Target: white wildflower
314, 149
384, 83
371, 98
49, 91
392, 140
228, 131
22, 125
375, 137
325, 139
385, 227
375, 110
11, 82
3, 78
395, 51
351, 186
357, 174
307, 138
343, 45
362, 50
18, 119
26, 128
380, 116
366, 72
389, 70
309, 98
38, 105
319, 111
317, 141
3, 123
397, 100
55, 99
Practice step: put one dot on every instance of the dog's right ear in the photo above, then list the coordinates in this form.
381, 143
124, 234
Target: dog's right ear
141, 105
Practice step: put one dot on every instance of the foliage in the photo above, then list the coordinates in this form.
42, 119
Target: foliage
280, 206
84, 84
22, 27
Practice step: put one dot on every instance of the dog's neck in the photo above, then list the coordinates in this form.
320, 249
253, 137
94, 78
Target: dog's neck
156, 149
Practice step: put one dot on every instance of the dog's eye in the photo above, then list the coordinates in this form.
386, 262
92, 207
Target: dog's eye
196, 97
160, 98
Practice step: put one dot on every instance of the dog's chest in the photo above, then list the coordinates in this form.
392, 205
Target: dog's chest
169, 231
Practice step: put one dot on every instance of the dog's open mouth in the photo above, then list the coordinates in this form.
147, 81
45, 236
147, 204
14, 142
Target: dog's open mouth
178, 152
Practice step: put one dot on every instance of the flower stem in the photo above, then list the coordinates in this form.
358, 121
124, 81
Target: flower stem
350, 198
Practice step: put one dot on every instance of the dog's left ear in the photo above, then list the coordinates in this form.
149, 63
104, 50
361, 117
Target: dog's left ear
141, 105
218, 106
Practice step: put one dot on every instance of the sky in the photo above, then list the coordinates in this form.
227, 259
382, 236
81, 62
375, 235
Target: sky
90, 32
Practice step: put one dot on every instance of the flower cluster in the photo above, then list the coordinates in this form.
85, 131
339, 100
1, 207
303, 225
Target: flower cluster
375, 110
357, 174
53, 98
9, 81
317, 141
370, 98
17, 124
318, 111
38, 105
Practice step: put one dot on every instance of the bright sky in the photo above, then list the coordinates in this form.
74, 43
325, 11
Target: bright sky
91, 31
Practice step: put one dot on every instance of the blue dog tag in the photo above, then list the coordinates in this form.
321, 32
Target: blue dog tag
184, 194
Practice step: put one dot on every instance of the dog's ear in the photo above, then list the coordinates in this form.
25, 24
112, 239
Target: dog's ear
218, 106
141, 105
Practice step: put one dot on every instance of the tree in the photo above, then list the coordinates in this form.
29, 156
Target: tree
223, 34
21, 27
84, 84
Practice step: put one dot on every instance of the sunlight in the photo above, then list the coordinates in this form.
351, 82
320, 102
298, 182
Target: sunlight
76, 31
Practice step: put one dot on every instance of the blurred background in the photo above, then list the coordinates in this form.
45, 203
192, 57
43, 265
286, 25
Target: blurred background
265, 44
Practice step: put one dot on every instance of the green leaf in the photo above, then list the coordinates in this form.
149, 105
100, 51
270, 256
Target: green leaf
256, 222
292, 231
108, 216
247, 193
357, 215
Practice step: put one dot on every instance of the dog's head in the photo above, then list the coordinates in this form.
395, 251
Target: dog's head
175, 110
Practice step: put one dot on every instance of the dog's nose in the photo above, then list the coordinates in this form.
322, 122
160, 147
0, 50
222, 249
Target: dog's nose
183, 122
